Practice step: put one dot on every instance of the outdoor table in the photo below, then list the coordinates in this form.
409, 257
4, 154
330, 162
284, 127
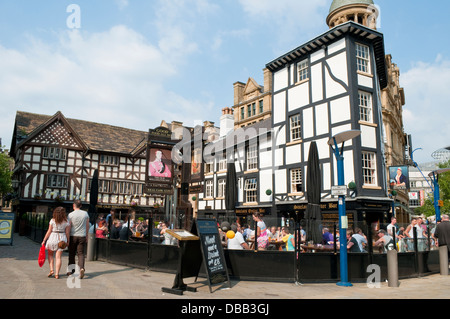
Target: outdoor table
278, 244
317, 248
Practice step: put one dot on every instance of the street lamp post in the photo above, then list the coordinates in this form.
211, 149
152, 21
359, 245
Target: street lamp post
341, 138
434, 175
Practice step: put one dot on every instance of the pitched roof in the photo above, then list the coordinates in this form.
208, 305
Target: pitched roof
96, 136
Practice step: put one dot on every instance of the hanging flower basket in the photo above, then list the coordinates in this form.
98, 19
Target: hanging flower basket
60, 198
134, 204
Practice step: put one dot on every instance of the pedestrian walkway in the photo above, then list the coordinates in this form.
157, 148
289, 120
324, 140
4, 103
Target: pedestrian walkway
22, 278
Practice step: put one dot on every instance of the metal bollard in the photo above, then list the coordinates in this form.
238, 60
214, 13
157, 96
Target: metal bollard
90, 247
392, 263
443, 260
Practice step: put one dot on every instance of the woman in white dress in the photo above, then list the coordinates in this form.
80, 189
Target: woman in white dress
58, 230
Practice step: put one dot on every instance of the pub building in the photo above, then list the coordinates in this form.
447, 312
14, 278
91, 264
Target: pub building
326, 86
248, 153
55, 159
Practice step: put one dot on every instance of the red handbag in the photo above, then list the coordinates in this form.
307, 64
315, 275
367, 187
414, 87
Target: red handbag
41, 258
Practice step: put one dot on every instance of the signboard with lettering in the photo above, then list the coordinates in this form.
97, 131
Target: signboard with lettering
6, 228
212, 251
160, 170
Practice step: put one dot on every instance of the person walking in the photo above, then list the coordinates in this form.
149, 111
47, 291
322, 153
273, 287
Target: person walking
58, 232
79, 232
442, 233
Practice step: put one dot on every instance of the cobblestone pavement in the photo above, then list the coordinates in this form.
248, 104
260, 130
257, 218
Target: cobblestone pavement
22, 278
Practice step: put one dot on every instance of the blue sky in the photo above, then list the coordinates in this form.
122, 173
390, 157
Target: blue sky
134, 63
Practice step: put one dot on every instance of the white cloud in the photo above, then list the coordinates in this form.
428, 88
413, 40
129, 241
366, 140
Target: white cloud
425, 115
122, 4
115, 77
290, 19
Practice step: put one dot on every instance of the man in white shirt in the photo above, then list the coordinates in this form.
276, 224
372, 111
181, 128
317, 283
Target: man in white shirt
238, 241
79, 233
391, 226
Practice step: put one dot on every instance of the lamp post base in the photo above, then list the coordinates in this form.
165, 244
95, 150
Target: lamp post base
344, 284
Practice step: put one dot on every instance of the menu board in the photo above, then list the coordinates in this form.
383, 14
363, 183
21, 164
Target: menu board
212, 252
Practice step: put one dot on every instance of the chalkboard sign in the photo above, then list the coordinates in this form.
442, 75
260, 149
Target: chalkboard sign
212, 251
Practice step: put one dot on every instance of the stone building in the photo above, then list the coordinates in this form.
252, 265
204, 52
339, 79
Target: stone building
252, 102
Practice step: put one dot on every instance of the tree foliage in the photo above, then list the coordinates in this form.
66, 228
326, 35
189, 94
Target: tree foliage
444, 193
5, 174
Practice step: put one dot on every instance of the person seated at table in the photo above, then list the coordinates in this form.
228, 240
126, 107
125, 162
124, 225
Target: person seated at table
285, 237
352, 244
102, 230
302, 235
290, 243
238, 241
327, 237
246, 232
168, 239
125, 232
115, 229
361, 239
385, 241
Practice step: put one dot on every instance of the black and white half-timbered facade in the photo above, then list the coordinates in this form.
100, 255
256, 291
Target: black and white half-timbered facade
327, 86
249, 150
55, 159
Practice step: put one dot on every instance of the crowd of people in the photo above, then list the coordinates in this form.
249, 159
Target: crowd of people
394, 236
129, 227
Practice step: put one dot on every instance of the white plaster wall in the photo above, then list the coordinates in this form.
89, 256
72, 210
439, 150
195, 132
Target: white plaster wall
366, 81
317, 55
316, 82
280, 79
322, 119
368, 136
280, 181
280, 137
265, 159
340, 110
308, 123
293, 154
279, 107
298, 96
336, 46
265, 177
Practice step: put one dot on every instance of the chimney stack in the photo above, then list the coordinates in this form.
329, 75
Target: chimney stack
226, 121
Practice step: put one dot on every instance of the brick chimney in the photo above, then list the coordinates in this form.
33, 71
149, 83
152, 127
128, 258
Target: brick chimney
226, 121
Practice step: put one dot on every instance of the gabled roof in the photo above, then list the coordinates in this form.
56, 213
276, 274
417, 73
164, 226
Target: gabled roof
92, 136
252, 86
355, 29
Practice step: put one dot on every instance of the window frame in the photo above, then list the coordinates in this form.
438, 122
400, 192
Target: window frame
251, 157
209, 188
63, 182
49, 152
363, 63
369, 158
251, 190
221, 184
295, 131
365, 111
296, 181
302, 70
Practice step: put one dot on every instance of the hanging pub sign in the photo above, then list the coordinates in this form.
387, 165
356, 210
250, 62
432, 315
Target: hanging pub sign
160, 170
399, 177
197, 164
